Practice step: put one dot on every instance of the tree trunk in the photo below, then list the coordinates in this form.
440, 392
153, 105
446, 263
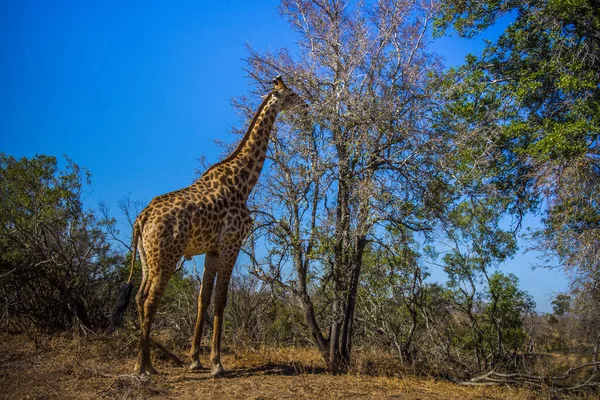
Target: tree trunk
307, 306
346, 339
340, 258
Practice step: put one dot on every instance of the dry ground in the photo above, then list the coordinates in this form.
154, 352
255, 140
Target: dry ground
64, 367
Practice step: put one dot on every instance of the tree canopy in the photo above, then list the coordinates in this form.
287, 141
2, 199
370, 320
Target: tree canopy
533, 99
56, 264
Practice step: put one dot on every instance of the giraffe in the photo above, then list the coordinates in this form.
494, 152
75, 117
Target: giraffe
209, 217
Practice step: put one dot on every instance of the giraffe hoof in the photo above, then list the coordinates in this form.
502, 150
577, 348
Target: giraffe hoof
146, 370
217, 371
196, 366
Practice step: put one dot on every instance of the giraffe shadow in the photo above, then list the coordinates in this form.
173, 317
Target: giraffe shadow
295, 369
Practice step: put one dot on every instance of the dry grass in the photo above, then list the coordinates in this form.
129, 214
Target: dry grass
64, 367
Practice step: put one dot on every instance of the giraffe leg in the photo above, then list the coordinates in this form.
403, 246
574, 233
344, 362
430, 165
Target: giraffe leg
140, 299
148, 308
155, 287
208, 279
143, 290
226, 264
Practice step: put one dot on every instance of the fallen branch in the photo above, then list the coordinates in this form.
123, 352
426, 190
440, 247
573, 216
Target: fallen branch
496, 378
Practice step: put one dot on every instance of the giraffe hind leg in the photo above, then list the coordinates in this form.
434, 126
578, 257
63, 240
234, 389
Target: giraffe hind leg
142, 291
150, 296
146, 309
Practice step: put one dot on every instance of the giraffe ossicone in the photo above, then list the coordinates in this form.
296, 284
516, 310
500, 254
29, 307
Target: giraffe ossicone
209, 217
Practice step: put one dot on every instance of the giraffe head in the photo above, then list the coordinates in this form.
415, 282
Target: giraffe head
287, 98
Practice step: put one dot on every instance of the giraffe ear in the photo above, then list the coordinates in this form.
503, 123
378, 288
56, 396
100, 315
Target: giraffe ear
278, 83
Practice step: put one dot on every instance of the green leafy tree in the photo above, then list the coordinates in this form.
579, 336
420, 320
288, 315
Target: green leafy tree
391, 294
56, 266
490, 305
506, 307
561, 304
526, 114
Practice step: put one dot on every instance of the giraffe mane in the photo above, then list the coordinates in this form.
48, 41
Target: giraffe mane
245, 138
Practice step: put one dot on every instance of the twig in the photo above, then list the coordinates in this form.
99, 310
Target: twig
167, 353
8, 273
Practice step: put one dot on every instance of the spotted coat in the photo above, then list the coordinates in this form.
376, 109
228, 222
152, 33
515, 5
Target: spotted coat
209, 217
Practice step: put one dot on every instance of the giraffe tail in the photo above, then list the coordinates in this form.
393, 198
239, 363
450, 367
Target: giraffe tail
124, 296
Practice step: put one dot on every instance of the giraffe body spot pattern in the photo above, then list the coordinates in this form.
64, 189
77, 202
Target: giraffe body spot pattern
209, 217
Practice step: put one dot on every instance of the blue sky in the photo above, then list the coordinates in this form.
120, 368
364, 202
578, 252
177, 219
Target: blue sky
137, 92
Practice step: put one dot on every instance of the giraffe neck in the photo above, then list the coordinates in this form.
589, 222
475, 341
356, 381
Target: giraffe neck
242, 167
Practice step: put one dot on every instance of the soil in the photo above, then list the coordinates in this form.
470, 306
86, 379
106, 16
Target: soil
64, 367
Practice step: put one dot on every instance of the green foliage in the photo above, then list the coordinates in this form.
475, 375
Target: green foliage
56, 264
524, 117
477, 316
561, 304
392, 297
506, 307
539, 81
490, 307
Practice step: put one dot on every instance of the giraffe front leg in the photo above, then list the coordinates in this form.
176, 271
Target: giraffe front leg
223, 276
208, 279
229, 248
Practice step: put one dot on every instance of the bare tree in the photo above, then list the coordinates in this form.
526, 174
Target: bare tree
362, 160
